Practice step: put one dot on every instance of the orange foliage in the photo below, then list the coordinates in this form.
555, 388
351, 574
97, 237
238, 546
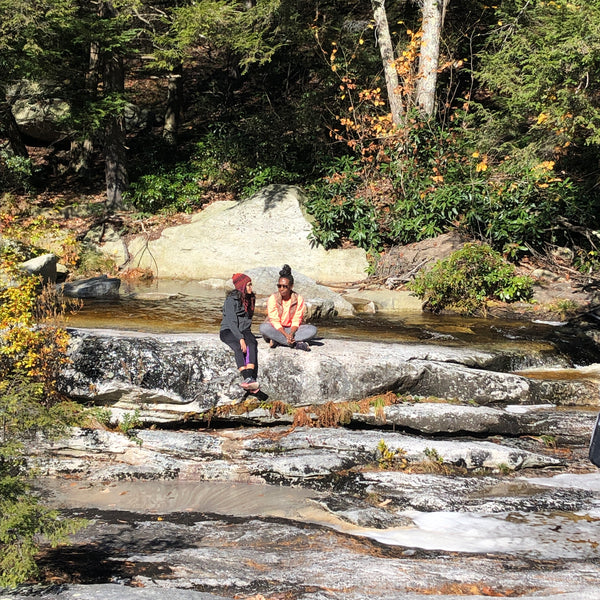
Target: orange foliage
302, 418
137, 274
368, 127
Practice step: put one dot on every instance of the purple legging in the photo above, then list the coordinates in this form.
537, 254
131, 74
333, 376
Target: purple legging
250, 357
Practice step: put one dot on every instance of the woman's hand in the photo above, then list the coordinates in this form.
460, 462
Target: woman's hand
291, 336
243, 345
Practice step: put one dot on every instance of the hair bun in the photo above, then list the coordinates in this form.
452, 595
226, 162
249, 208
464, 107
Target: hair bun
286, 271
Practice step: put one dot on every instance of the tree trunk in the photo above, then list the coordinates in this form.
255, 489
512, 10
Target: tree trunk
386, 50
82, 151
429, 55
115, 170
10, 131
114, 139
174, 102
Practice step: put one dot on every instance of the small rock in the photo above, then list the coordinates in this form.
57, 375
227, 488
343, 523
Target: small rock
95, 287
545, 275
44, 265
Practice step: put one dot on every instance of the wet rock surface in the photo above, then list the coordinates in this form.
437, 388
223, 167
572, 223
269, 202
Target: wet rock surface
484, 492
197, 513
94, 287
260, 558
417, 535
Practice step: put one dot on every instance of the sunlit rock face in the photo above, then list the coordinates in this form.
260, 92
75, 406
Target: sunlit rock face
168, 378
420, 495
321, 302
272, 228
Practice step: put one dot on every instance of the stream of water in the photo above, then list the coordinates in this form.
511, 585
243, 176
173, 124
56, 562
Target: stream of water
543, 535
175, 306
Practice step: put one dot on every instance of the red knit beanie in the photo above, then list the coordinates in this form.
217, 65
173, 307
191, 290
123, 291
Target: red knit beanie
240, 281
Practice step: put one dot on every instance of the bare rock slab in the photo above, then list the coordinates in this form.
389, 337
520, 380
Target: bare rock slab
281, 455
274, 230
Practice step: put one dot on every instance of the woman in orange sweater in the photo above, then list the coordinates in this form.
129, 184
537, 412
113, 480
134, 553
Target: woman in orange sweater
285, 313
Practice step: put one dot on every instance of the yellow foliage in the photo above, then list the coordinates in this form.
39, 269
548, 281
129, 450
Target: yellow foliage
32, 340
368, 130
547, 165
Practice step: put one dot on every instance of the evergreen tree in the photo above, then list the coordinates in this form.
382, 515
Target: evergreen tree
32, 351
539, 107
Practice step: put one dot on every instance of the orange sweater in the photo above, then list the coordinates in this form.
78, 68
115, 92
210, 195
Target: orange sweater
284, 319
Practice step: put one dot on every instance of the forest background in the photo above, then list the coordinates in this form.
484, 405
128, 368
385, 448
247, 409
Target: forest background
401, 121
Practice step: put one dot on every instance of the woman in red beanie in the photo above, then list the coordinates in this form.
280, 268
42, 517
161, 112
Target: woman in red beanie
235, 329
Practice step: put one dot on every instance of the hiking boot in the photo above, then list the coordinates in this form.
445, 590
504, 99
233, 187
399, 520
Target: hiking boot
250, 384
302, 346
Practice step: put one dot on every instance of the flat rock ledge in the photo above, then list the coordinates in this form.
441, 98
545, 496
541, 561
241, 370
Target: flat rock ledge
175, 378
282, 455
388, 508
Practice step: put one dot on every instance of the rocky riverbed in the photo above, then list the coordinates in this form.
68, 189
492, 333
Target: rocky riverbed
321, 513
368, 470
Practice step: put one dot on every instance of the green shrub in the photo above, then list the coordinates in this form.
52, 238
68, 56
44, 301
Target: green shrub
218, 160
92, 262
262, 176
389, 459
130, 421
177, 188
16, 172
221, 160
434, 178
416, 218
22, 521
341, 211
468, 278
520, 210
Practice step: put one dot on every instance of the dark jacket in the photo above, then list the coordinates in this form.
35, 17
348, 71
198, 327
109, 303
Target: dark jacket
235, 318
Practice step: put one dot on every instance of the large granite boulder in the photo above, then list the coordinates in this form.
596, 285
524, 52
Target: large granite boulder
44, 266
268, 229
41, 119
176, 377
41, 112
320, 300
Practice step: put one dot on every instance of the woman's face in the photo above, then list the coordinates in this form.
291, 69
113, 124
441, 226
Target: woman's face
284, 288
249, 287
